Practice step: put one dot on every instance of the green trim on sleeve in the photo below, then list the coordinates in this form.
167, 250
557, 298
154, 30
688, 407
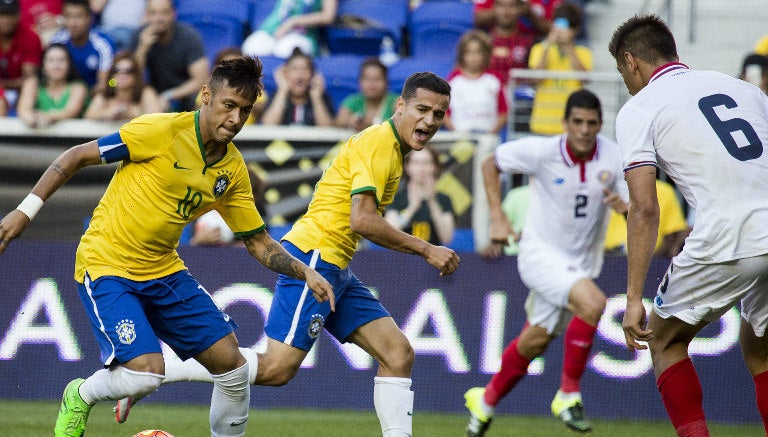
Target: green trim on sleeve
363, 189
251, 232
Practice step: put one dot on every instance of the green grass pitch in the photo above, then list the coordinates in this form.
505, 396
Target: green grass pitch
37, 418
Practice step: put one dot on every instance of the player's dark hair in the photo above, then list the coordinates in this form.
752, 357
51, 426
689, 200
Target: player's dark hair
646, 37
583, 99
243, 74
427, 80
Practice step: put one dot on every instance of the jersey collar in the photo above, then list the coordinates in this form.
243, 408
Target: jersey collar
569, 157
666, 68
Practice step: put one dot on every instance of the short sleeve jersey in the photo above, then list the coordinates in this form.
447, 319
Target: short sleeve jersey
566, 210
161, 184
371, 160
708, 132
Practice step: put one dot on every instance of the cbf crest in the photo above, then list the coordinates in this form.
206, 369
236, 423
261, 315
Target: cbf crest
315, 325
220, 186
126, 331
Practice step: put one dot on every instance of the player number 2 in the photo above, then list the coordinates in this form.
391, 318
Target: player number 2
725, 128
581, 203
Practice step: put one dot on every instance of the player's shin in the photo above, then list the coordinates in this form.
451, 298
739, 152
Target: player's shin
230, 402
393, 400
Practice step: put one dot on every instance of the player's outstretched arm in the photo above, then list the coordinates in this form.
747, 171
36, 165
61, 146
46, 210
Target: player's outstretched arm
365, 220
59, 172
274, 256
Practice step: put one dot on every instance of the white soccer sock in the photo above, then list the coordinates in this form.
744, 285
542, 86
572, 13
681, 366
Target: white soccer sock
230, 402
117, 383
253, 363
393, 400
189, 370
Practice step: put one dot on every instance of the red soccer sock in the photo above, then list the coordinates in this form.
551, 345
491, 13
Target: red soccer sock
681, 392
513, 367
578, 343
761, 390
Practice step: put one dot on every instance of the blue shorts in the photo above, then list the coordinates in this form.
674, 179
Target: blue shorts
296, 318
128, 317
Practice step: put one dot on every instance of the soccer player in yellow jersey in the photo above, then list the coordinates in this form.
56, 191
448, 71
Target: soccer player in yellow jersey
135, 288
347, 206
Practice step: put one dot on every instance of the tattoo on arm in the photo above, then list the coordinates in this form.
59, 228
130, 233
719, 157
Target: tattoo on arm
60, 170
278, 260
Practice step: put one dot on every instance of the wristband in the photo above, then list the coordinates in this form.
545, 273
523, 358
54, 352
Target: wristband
30, 206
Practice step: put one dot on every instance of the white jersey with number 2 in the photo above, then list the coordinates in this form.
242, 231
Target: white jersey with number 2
709, 133
566, 210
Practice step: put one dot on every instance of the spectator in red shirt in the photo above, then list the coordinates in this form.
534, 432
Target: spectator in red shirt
536, 19
42, 16
510, 45
20, 49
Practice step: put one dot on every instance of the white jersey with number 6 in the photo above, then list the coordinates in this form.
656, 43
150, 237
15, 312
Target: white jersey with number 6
708, 132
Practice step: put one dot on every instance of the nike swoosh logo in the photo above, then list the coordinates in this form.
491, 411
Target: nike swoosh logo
236, 423
177, 166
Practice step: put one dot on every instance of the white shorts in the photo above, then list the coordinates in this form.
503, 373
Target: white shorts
695, 292
549, 276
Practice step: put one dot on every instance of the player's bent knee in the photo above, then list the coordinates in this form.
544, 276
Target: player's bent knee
140, 384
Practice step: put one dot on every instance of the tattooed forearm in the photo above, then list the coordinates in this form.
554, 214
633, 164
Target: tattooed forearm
56, 167
275, 258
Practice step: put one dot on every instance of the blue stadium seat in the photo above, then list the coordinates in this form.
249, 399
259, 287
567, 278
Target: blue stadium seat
436, 26
362, 24
258, 10
340, 72
221, 23
269, 65
234, 9
217, 33
403, 68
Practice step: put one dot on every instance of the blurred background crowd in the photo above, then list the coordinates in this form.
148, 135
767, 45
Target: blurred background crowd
327, 63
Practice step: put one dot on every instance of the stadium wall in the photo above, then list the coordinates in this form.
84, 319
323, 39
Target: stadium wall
458, 326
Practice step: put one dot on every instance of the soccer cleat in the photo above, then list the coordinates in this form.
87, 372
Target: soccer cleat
73, 413
571, 412
121, 409
479, 421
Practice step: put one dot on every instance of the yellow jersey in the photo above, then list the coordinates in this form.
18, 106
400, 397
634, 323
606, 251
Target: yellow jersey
552, 94
671, 219
161, 184
371, 160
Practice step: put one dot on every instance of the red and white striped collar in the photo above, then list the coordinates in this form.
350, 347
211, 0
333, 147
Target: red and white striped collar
666, 68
